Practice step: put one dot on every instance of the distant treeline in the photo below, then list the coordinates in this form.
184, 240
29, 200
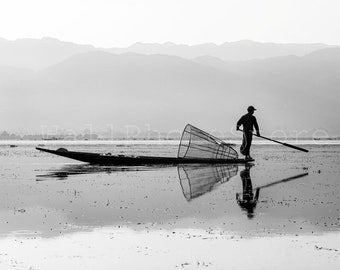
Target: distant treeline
94, 137
12, 136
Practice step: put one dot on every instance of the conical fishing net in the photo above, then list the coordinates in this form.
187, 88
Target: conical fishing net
196, 143
197, 179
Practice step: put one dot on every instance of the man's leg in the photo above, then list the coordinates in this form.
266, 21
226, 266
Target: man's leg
244, 147
249, 139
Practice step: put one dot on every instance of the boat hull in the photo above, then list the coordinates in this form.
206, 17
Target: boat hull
95, 158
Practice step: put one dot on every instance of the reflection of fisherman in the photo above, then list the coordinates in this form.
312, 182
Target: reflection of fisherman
246, 199
249, 122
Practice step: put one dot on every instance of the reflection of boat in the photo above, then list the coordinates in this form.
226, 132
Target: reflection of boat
196, 146
83, 169
198, 179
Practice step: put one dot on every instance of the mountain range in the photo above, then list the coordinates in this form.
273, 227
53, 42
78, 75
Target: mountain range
37, 54
294, 87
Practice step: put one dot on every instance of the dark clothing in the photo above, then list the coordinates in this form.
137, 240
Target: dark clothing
246, 143
249, 122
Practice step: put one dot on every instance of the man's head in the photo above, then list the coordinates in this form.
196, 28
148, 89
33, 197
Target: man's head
251, 109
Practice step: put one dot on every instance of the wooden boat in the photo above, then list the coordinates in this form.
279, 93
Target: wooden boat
107, 159
196, 147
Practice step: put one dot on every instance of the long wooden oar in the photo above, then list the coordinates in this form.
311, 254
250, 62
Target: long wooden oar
285, 144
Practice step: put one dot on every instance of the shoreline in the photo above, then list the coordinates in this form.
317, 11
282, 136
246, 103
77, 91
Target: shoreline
155, 142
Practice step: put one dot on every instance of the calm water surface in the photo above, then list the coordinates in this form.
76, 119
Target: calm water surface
285, 195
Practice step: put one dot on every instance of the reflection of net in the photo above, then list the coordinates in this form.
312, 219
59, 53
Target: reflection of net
197, 179
196, 143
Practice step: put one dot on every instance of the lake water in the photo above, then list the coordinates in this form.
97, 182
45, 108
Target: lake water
281, 213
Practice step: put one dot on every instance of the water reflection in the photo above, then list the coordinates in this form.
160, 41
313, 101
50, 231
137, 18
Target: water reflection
83, 169
247, 200
284, 180
197, 180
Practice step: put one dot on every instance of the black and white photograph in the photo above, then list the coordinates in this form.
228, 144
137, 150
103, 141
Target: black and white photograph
170, 135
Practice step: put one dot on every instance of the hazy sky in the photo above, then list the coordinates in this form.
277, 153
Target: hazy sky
109, 23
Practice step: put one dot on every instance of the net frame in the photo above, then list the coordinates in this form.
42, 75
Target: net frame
196, 143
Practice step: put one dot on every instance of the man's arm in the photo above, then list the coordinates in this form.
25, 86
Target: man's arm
239, 123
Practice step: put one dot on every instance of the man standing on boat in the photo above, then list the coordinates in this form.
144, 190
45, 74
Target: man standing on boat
248, 121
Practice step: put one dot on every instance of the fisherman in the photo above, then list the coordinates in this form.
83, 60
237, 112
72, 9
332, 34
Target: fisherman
249, 122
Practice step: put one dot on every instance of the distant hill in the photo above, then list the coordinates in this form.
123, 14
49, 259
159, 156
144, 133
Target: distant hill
232, 51
37, 54
13, 75
293, 94
317, 73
